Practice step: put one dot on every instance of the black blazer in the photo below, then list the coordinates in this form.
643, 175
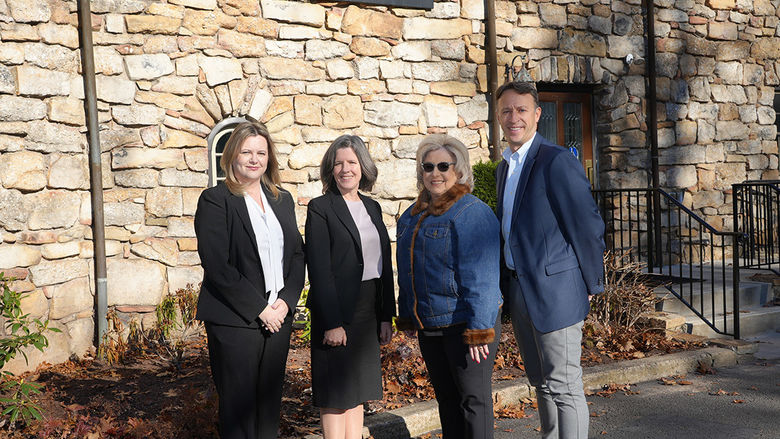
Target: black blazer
335, 261
233, 291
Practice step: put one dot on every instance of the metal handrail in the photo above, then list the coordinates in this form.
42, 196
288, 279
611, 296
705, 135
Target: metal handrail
756, 209
676, 244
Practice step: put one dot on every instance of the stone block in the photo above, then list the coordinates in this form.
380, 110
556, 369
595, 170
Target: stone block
148, 66
152, 24
294, 12
308, 110
340, 69
241, 44
14, 108
53, 209
365, 22
766, 48
23, 170
126, 158
34, 81
220, 70
190, 200
398, 179
64, 35
257, 26
440, 111
582, 43
163, 250
472, 9
391, 114
180, 139
35, 304
135, 282
164, 202
207, 22
342, 112
448, 49
421, 28
24, 11
57, 272
66, 110
197, 4
311, 155
284, 49
476, 109
69, 298
722, 30
731, 130
13, 211
534, 38
324, 49
286, 69
369, 46
115, 90
413, 51
17, 255
685, 131
180, 277
436, 71
174, 177
139, 114
552, 15
68, 172
620, 46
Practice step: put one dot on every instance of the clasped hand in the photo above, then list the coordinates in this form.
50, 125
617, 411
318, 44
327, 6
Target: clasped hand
273, 315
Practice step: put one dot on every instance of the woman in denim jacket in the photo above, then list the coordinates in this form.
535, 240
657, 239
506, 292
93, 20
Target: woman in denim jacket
448, 254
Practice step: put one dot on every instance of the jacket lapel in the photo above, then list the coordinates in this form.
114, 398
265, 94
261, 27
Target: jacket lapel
238, 204
500, 187
528, 165
342, 212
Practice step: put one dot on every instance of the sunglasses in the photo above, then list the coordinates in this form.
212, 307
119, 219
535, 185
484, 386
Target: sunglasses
442, 166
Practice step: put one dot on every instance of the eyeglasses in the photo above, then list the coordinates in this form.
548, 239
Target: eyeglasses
442, 166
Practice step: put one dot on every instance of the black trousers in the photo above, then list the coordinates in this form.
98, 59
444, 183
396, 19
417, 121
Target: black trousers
463, 387
248, 367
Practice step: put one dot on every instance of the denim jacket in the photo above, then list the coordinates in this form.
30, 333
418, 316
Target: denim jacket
448, 265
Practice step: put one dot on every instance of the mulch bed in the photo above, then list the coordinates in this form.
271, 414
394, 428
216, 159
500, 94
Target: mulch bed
145, 396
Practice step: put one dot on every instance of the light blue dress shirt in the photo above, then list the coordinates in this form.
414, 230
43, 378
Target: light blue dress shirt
515, 160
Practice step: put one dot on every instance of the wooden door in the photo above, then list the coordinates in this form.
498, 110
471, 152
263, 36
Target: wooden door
566, 120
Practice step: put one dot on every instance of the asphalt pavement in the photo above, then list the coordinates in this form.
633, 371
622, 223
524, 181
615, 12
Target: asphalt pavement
741, 401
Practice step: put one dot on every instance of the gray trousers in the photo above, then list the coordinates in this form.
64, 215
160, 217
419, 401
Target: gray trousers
552, 364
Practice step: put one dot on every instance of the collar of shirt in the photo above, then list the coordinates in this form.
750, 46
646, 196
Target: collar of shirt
520, 154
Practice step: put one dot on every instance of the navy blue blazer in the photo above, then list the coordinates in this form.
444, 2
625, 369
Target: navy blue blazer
556, 236
233, 290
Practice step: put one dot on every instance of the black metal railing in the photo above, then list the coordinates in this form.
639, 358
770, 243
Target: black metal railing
695, 262
756, 205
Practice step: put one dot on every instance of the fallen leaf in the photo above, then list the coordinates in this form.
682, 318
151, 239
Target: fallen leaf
684, 382
738, 401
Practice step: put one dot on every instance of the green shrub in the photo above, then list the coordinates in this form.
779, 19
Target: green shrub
20, 331
485, 182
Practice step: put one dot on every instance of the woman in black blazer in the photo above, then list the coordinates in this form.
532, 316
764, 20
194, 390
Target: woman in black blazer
352, 299
252, 258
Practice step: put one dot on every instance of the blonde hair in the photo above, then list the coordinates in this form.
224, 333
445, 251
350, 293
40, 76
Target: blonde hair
455, 148
240, 134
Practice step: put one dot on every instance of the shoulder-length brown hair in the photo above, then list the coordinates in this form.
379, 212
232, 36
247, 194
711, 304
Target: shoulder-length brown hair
243, 131
368, 171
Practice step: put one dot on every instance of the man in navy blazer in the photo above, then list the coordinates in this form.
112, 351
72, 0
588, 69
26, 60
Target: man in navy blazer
552, 258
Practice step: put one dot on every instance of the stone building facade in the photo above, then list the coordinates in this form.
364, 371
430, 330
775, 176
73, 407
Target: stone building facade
168, 71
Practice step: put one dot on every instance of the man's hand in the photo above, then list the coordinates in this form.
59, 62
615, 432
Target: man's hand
335, 337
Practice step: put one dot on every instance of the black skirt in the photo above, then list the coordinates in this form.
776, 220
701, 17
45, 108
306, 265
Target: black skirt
343, 377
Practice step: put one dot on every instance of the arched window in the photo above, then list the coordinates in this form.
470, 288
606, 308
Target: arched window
217, 139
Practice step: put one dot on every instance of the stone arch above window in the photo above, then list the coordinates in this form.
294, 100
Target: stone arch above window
216, 141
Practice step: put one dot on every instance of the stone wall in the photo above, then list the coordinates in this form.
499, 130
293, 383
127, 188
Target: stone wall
168, 71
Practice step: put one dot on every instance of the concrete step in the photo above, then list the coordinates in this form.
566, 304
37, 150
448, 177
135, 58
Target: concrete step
752, 321
751, 294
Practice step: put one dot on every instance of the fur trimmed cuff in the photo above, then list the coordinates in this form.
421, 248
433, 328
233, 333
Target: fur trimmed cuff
473, 337
403, 324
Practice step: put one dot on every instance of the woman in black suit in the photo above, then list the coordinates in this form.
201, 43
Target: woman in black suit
252, 258
352, 299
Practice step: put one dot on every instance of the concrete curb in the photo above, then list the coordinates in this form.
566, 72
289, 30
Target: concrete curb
416, 419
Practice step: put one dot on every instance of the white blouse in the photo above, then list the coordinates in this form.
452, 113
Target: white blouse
270, 244
369, 240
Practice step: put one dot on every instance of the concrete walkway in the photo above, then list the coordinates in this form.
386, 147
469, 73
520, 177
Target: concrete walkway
416, 419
